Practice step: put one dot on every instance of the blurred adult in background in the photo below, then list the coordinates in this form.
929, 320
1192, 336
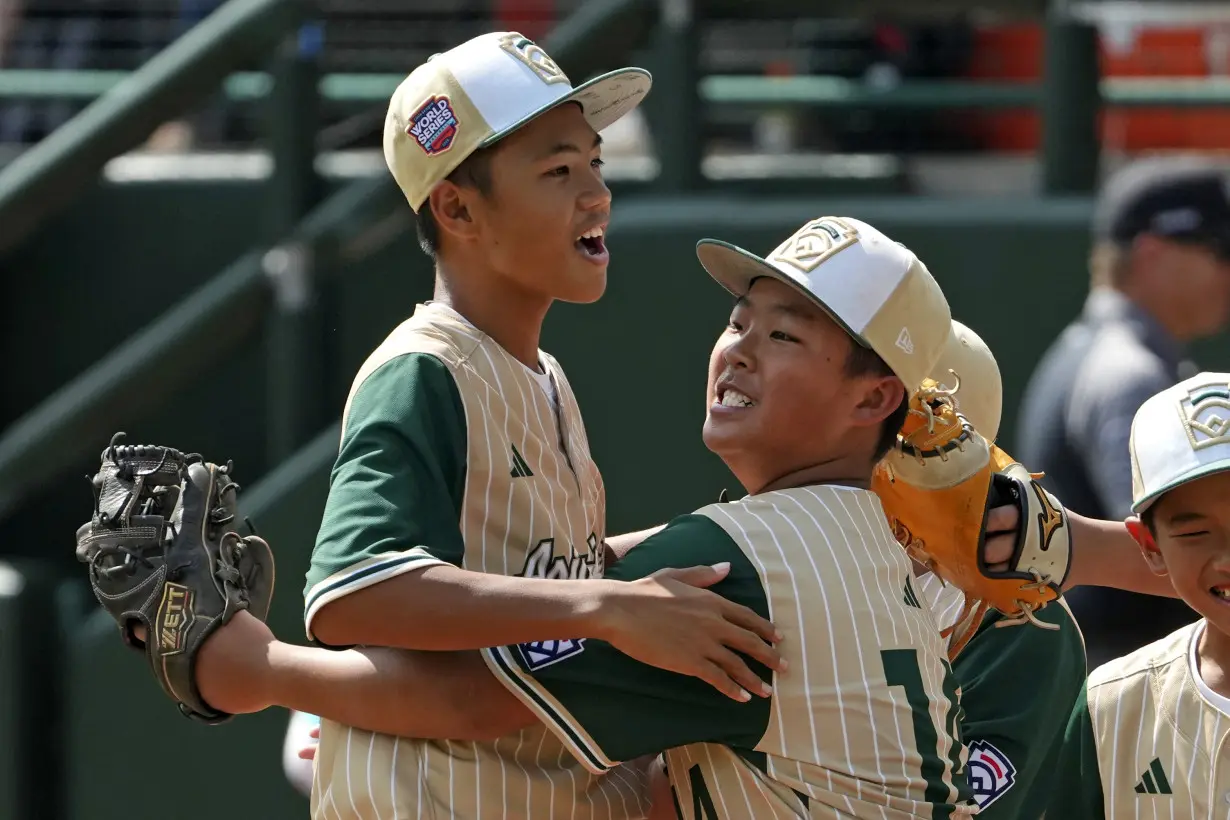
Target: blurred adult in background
1160, 278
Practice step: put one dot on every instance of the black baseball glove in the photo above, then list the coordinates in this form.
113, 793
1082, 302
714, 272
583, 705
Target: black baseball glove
163, 552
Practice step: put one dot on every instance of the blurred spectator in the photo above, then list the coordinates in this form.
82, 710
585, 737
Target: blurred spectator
1160, 278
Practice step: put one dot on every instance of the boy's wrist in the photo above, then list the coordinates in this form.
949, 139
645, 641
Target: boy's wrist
598, 609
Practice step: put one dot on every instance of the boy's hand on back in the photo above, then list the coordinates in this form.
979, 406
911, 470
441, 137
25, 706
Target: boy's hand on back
670, 621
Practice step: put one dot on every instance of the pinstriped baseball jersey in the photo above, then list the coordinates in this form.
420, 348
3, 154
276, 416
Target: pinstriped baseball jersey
1012, 723
862, 725
1145, 741
453, 453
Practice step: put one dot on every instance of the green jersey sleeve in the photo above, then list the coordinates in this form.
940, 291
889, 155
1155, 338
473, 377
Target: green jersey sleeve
396, 488
607, 707
1018, 685
1076, 791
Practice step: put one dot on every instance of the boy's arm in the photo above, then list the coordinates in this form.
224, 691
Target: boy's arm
617, 546
1104, 554
386, 569
430, 695
607, 707
1076, 790
244, 668
1014, 719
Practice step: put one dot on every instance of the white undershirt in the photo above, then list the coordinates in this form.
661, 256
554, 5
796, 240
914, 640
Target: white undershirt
543, 379
1220, 701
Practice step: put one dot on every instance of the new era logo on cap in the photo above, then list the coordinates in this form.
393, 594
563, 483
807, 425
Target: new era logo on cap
1179, 435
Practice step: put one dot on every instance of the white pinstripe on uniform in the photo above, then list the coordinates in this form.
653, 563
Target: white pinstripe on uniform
840, 733
368, 776
1148, 713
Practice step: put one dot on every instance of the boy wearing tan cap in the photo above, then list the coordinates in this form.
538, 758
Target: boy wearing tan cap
1149, 736
806, 391
464, 509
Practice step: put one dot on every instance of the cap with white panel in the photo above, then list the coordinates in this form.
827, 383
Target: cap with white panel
875, 288
1179, 435
978, 383
480, 91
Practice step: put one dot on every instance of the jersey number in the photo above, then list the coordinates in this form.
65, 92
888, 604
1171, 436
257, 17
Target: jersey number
901, 669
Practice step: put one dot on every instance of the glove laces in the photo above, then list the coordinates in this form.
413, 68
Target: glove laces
933, 399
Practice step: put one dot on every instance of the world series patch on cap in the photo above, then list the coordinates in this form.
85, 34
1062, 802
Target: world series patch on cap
475, 94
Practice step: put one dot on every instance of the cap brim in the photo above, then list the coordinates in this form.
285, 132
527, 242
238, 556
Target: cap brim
604, 99
1213, 467
735, 268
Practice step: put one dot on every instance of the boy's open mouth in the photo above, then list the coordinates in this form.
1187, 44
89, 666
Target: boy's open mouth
592, 243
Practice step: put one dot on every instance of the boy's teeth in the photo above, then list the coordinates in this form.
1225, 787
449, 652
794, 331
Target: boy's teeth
592, 233
1222, 592
733, 398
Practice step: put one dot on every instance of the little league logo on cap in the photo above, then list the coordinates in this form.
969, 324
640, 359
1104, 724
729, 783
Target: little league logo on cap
532, 54
815, 242
874, 288
434, 125
1179, 435
1206, 415
479, 92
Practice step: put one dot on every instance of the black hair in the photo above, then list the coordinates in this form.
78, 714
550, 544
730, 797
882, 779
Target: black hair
473, 172
1146, 518
863, 361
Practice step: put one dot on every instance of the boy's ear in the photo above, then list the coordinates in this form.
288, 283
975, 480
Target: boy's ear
1148, 547
451, 210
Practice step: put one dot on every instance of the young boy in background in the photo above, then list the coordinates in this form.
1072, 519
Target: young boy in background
1147, 737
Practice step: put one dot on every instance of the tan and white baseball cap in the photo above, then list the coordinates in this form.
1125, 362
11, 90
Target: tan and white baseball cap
875, 288
480, 91
1179, 435
979, 384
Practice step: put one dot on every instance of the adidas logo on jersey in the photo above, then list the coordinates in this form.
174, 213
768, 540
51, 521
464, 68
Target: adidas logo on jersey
910, 598
1154, 780
519, 468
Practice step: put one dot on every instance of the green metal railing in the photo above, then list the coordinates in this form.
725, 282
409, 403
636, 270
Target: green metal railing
204, 328
735, 91
50, 174
276, 290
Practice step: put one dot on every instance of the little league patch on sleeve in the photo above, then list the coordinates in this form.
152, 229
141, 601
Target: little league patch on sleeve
544, 653
434, 125
991, 773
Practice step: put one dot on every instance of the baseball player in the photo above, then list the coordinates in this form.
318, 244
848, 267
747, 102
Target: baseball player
806, 391
464, 480
1148, 735
1011, 722
863, 723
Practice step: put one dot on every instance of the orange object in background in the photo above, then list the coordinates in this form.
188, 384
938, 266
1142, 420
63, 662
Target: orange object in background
1014, 54
533, 18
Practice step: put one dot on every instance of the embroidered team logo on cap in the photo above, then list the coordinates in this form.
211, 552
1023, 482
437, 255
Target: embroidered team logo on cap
434, 125
1205, 411
991, 773
815, 242
533, 55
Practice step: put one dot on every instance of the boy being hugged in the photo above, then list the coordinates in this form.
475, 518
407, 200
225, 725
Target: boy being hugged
1148, 738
